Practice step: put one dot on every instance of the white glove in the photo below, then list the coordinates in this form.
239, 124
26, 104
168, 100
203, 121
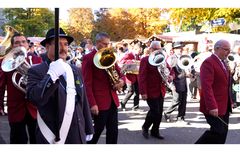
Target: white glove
89, 137
56, 69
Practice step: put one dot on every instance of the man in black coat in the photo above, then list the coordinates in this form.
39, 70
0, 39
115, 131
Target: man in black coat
57, 89
180, 88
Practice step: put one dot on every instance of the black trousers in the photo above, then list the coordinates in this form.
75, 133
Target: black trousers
18, 130
218, 130
180, 101
131, 89
154, 115
108, 118
193, 88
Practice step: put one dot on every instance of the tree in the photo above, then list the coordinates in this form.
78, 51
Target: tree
194, 17
80, 24
30, 21
122, 23
148, 21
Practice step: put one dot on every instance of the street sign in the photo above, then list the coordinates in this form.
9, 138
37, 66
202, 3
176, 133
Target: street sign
218, 22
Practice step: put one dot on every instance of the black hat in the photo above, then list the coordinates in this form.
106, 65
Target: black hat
177, 45
50, 34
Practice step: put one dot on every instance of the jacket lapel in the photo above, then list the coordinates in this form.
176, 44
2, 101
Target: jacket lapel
226, 72
78, 81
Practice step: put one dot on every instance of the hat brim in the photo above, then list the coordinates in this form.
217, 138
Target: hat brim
178, 46
69, 39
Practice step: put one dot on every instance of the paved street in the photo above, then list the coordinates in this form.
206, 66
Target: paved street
130, 123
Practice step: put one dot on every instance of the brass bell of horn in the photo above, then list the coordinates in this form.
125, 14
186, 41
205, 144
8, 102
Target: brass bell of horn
15, 59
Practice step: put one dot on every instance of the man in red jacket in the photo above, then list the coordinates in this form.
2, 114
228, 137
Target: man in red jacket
152, 89
101, 94
131, 78
21, 112
215, 98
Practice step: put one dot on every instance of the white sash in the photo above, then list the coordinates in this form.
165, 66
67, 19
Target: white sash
68, 113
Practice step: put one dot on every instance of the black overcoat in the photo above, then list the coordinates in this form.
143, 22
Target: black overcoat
41, 91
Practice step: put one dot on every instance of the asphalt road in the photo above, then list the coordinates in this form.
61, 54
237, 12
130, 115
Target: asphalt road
130, 123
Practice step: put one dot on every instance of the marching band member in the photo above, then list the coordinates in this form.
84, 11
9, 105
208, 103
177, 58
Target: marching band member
58, 91
198, 59
179, 90
101, 94
152, 89
236, 76
131, 78
21, 112
215, 99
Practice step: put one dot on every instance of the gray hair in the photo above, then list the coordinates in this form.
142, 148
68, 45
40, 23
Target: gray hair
219, 43
101, 35
155, 44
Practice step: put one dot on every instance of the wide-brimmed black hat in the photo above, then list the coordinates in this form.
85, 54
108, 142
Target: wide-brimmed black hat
50, 34
176, 45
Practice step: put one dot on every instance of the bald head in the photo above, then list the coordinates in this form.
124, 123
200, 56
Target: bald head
222, 49
155, 45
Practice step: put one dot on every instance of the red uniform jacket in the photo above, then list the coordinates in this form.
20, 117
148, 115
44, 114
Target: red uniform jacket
98, 85
150, 80
128, 58
16, 101
215, 85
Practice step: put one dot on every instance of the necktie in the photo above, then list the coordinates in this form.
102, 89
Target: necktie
224, 65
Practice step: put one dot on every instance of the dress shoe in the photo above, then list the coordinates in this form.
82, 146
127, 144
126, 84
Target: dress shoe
158, 136
167, 118
2, 113
145, 133
123, 106
135, 107
182, 121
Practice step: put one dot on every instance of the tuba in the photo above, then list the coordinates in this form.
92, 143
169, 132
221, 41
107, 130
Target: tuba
5, 45
231, 57
185, 62
15, 59
232, 61
158, 59
106, 58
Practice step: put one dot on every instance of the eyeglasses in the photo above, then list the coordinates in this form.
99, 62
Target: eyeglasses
105, 43
225, 49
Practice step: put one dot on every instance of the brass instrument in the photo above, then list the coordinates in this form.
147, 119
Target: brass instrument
157, 58
106, 58
131, 68
185, 62
15, 59
5, 45
231, 57
71, 56
231, 61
